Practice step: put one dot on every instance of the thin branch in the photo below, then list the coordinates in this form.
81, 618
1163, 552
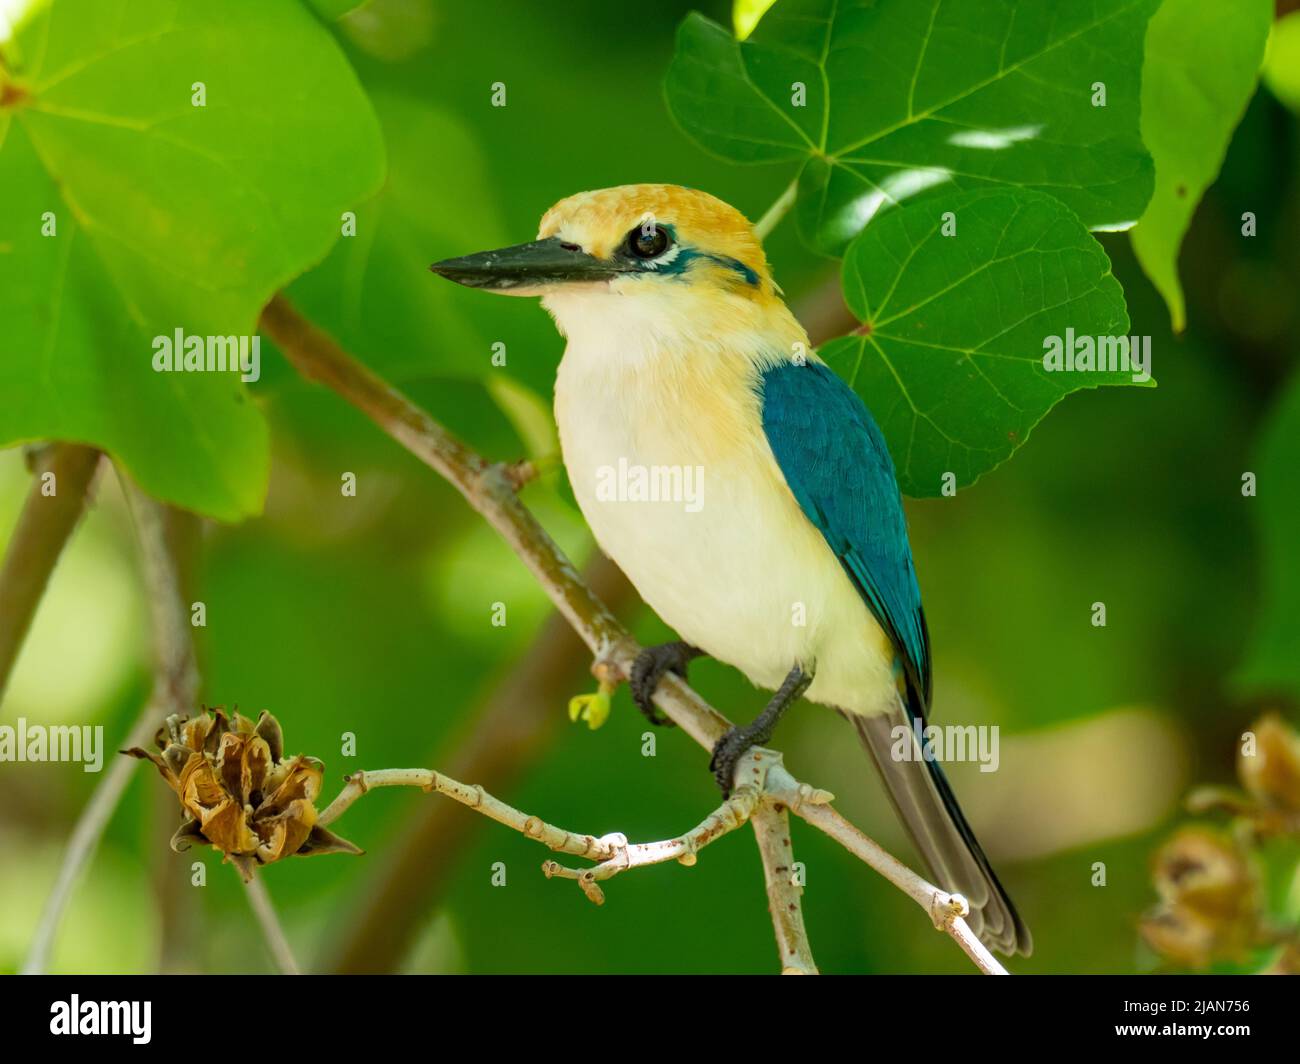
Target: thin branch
731, 814
613, 852
946, 911
771, 826
259, 900
772, 218
764, 801
82, 845
175, 690
488, 489
44, 526
476, 798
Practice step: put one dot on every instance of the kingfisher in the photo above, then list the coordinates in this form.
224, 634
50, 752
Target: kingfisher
790, 560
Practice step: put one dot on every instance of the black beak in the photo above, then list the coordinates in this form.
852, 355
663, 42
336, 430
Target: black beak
527, 266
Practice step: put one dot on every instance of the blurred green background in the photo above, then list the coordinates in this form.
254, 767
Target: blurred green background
373, 615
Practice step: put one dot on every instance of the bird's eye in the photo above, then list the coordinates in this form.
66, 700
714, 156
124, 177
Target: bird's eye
647, 241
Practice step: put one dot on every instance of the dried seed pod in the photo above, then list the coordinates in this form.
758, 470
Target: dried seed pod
238, 792
1211, 901
1270, 772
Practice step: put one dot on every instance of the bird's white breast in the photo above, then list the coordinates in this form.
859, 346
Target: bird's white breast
727, 558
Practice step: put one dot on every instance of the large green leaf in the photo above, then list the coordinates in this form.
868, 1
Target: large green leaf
1273, 661
950, 355
903, 94
374, 292
1202, 63
169, 216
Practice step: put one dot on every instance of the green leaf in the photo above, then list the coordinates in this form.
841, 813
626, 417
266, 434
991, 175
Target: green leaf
374, 292
1282, 62
332, 10
900, 95
1202, 61
1272, 661
950, 356
166, 216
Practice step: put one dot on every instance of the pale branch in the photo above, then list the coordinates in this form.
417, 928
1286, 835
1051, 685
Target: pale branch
473, 797
731, 814
948, 912
174, 691
259, 900
489, 489
771, 824
44, 526
613, 852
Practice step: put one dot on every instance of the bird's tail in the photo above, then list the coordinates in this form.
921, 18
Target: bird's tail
927, 806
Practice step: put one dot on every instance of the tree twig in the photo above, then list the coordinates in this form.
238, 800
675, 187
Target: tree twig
948, 912
259, 900
771, 825
731, 814
473, 796
613, 852
488, 489
174, 691
44, 526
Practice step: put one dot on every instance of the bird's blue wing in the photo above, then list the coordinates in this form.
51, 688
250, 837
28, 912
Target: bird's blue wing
836, 463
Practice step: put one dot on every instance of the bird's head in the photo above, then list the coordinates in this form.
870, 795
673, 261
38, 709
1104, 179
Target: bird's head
636, 252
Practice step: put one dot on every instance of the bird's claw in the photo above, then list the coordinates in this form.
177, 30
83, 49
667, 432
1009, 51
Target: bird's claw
649, 668
727, 753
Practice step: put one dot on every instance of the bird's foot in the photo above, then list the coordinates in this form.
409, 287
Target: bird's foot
728, 750
727, 753
649, 668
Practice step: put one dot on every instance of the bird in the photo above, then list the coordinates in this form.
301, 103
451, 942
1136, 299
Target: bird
788, 557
